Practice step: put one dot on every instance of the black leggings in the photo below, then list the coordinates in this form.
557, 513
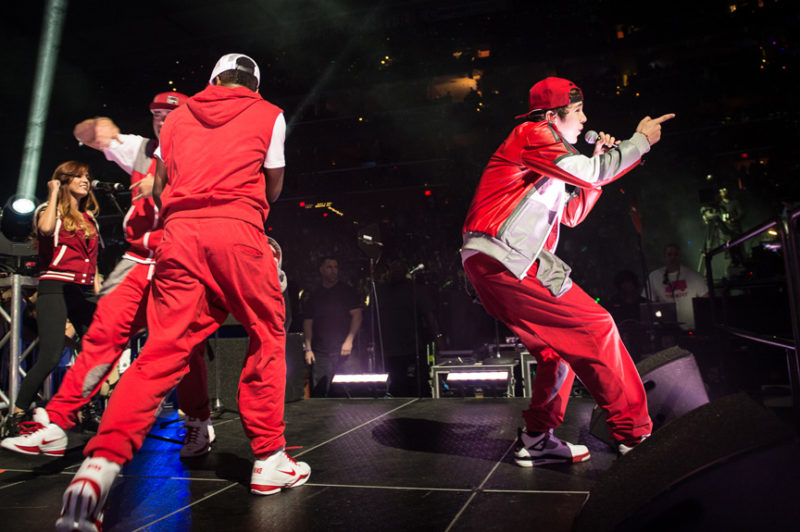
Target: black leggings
56, 301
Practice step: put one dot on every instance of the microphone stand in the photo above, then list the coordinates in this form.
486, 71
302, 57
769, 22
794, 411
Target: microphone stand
413, 276
374, 311
111, 195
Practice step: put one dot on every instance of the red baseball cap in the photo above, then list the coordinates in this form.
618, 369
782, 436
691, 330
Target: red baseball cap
549, 94
168, 100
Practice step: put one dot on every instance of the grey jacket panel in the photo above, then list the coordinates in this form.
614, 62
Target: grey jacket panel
598, 170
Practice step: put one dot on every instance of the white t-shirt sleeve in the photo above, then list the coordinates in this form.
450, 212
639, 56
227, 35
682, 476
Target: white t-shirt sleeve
275, 157
124, 151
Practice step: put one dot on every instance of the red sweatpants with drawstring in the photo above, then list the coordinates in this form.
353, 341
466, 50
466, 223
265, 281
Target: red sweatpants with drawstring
119, 316
568, 335
205, 268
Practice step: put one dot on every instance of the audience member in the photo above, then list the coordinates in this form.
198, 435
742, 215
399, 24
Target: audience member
676, 283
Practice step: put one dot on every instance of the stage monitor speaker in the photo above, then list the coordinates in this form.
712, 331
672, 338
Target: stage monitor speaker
229, 353
673, 385
295, 367
728, 465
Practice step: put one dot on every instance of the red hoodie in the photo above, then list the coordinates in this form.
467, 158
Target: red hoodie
214, 149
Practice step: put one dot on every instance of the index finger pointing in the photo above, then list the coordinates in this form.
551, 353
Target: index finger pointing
664, 118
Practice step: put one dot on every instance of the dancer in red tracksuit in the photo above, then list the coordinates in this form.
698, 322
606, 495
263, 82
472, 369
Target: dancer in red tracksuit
214, 259
510, 236
123, 301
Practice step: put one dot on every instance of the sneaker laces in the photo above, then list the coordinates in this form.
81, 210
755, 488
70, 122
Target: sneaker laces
29, 427
192, 434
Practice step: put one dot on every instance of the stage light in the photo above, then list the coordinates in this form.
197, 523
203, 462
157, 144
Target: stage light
360, 377
360, 384
16, 218
478, 376
23, 205
480, 380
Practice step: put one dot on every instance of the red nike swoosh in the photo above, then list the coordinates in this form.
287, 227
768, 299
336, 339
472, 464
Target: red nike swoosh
28, 448
45, 442
292, 472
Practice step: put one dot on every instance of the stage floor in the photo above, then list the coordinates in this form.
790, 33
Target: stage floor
376, 464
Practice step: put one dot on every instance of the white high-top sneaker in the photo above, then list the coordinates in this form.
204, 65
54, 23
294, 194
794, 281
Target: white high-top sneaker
277, 472
85, 498
38, 437
546, 448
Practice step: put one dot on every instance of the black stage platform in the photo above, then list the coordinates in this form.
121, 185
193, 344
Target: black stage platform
436, 464
376, 464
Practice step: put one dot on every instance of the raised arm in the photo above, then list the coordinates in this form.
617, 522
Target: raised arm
46, 223
602, 168
97, 132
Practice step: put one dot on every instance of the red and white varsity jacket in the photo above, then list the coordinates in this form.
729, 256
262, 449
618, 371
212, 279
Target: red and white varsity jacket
142, 224
69, 256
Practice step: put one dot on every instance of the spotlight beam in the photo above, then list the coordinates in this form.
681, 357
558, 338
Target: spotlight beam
52, 26
331, 68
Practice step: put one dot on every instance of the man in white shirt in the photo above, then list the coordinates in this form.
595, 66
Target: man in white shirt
676, 283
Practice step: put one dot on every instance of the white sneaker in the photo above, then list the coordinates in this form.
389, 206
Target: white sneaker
277, 472
197, 441
85, 498
624, 449
38, 437
546, 448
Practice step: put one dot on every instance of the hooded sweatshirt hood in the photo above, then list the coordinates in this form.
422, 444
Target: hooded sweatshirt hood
217, 105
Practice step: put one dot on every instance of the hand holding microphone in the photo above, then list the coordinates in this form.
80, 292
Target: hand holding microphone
649, 127
603, 142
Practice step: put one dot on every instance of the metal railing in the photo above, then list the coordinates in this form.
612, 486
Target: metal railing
786, 226
14, 335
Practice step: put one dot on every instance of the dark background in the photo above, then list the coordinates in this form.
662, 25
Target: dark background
385, 144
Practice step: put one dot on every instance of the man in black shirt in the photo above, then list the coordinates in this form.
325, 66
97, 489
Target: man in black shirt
332, 317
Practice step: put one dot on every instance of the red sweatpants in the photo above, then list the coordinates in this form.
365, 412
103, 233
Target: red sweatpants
568, 335
119, 316
205, 268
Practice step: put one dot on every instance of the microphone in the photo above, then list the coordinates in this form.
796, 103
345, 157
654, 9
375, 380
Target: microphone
107, 186
414, 270
592, 136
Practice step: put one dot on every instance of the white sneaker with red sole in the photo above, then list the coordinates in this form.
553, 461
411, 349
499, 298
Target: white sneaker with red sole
277, 472
38, 437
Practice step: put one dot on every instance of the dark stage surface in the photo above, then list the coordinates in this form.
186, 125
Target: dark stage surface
376, 464
408, 464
